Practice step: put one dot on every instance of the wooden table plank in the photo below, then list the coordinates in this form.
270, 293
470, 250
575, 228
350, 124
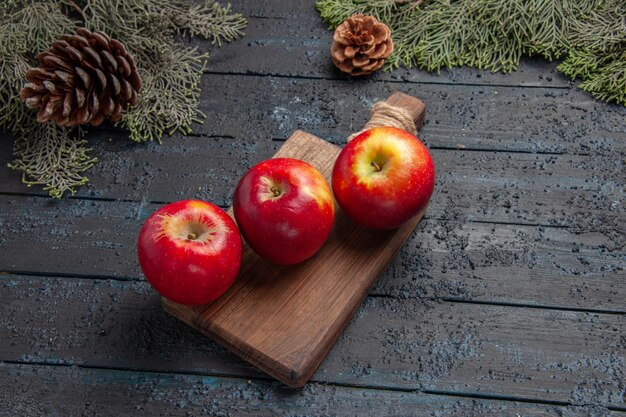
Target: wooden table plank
101, 392
445, 259
508, 264
562, 190
477, 117
510, 119
455, 348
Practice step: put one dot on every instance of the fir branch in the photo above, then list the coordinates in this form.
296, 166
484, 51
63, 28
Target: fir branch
437, 46
145, 34
609, 83
598, 56
147, 26
13, 113
51, 156
334, 12
602, 28
208, 19
40, 22
45, 154
603, 74
169, 98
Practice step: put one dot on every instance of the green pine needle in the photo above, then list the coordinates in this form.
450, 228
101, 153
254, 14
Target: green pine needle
598, 54
169, 97
51, 156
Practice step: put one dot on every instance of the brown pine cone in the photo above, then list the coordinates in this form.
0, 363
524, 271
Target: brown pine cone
82, 78
361, 44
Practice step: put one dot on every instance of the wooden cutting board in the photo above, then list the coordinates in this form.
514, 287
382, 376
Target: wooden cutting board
285, 319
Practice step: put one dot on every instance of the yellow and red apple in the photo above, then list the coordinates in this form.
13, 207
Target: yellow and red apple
284, 208
383, 177
190, 251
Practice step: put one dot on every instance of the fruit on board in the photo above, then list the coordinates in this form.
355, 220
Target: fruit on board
190, 251
383, 177
285, 210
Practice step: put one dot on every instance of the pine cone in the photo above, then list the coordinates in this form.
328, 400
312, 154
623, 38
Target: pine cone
361, 44
82, 78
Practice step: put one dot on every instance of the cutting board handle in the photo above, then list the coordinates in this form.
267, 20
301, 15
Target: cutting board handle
286, 319
413, 105
415, 108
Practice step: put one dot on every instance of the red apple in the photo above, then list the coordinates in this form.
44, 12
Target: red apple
383, 177
190, 251
284, 209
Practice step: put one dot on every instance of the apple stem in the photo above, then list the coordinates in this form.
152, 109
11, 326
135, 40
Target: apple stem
377, 167
192, 236
275, 190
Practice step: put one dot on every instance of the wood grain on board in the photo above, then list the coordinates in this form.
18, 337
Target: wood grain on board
285, 319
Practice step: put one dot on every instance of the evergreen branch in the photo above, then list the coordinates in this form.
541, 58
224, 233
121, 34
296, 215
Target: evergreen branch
51, 156
609, 83
603, 75
209, 20
147, 26
599, 53
168, 101
145, 34
602, 29
12, 70
171, 73
334, 12
39, 23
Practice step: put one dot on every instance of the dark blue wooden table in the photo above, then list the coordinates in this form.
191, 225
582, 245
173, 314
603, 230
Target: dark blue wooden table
509, 299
